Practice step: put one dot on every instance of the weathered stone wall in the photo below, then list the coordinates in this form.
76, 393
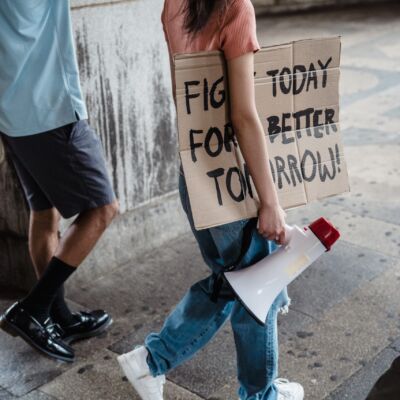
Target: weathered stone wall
15, 266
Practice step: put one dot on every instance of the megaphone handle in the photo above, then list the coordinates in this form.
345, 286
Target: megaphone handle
288, 232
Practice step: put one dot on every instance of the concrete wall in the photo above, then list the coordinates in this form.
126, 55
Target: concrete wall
15, 266
124, 69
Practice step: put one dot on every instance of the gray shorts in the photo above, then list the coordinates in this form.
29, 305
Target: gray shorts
63, 168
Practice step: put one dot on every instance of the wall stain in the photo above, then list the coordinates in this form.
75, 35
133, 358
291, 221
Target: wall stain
126, 86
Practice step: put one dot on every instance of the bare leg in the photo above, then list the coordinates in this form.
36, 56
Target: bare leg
84, 233
43, 238
44, 244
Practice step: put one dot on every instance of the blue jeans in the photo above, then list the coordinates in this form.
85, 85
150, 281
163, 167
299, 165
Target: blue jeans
196, 319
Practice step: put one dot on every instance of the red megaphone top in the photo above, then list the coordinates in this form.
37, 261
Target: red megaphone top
325, 232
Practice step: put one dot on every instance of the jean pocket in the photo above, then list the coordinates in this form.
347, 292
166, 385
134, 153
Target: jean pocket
67, 132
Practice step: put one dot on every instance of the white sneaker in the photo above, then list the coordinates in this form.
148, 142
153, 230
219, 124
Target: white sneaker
289, 390
134, 365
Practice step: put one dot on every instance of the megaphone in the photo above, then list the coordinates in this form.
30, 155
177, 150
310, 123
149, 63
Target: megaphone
258, 286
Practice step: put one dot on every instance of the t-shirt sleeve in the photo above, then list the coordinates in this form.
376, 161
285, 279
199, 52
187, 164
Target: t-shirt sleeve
238, 32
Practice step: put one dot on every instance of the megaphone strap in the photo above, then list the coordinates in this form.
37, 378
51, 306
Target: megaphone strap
219, 278
218, 282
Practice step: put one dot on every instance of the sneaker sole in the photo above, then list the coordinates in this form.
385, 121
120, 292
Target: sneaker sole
14, 331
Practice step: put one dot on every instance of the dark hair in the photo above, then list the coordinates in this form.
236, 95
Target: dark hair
198, 13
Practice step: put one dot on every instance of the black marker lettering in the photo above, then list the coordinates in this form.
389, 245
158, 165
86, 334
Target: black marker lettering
193, 144
189, 96
216, 173
215, 102
324, 67
273, 73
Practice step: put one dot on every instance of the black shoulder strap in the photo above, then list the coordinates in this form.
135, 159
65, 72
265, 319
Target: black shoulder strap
246, 242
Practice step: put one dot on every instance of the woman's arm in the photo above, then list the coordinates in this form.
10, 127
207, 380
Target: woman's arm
250, 135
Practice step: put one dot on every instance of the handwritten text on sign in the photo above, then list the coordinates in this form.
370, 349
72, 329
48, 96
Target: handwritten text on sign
297, 100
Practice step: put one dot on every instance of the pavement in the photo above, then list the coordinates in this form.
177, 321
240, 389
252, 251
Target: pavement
343, 330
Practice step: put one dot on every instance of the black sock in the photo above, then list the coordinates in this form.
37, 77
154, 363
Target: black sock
59, 311
40, 299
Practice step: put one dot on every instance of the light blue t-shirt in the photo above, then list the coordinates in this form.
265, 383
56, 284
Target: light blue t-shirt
39, 78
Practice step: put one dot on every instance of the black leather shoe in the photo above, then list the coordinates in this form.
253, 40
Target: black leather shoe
44, 338
88, 324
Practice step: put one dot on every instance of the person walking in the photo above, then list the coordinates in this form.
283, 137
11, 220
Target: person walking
59, 160
230, 26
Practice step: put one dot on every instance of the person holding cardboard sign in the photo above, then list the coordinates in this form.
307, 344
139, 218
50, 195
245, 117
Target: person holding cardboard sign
230, 26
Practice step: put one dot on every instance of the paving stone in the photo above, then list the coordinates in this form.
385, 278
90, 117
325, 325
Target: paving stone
359, 385
362, 206
375, 164
154, 282
378, 120
175, 392
211, 368
37, 395
4, 395
101, 378
395, 345
17, 364
334, 276
87, 348
355, 136
292, 322
22, 369
373, 234
140, 327
326, 353
227, 392
370, 233
205, 373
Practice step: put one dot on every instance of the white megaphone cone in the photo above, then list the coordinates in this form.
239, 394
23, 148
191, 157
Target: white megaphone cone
258, 286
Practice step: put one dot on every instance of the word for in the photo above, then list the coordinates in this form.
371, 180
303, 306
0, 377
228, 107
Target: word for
214, 141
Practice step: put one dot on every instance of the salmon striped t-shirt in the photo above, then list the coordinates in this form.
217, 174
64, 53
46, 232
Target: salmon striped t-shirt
232, 31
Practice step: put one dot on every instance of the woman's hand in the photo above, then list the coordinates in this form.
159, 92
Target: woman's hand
271, 223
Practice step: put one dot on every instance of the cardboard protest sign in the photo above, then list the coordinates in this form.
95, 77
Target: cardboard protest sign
297, 96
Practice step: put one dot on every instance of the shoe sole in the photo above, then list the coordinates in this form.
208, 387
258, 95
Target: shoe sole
14, 331
81, 336
126, 368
